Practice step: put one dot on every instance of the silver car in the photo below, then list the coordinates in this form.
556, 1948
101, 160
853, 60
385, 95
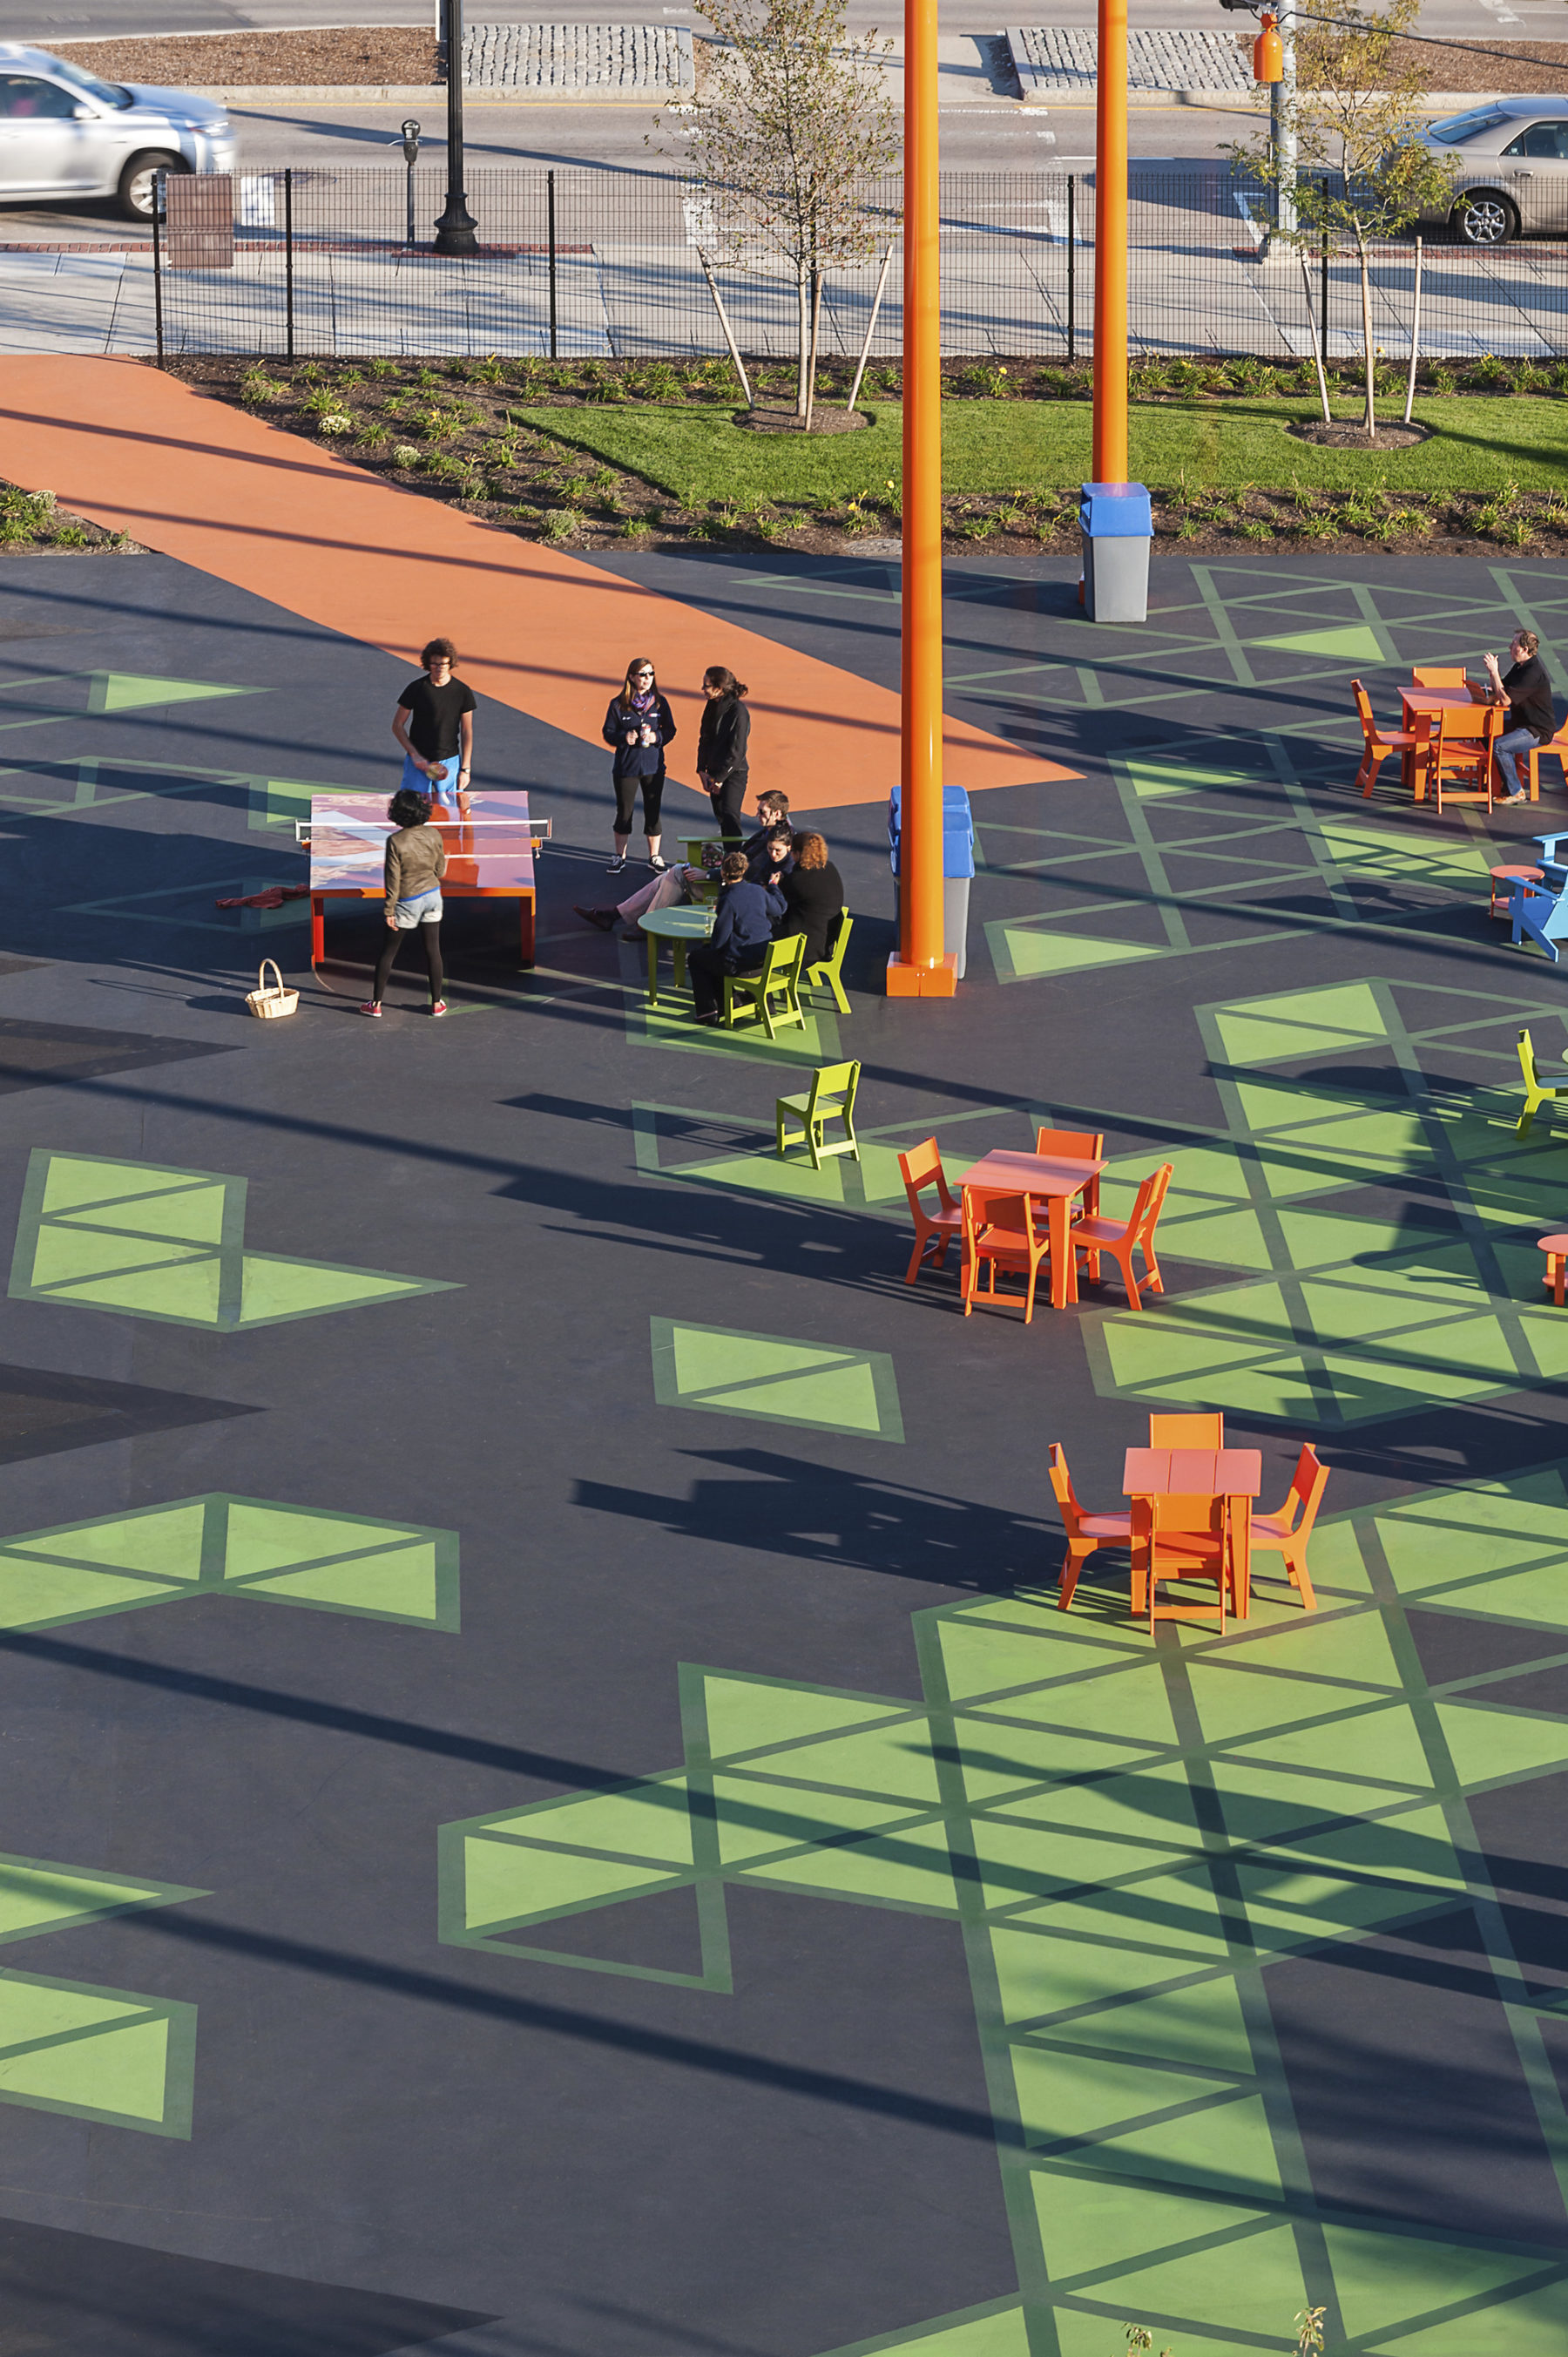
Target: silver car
1511, 167
63, 132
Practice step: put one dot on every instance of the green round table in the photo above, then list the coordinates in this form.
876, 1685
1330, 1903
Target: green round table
676, 926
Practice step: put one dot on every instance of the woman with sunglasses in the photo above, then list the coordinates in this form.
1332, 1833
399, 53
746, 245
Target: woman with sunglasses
639, 725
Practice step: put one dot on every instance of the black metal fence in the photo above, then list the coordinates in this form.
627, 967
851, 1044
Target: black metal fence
623, 265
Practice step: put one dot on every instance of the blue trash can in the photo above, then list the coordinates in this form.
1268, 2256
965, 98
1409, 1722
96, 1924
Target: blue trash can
957, 867
1117, 525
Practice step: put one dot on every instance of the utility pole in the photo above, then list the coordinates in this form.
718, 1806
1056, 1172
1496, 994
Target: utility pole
920, 969
456, 224
1281, 119
1115, 517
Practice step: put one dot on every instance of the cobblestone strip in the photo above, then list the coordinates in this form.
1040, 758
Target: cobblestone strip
654, 58
1051, 61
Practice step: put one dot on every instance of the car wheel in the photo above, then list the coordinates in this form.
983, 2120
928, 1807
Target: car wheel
138, 183
1484, 218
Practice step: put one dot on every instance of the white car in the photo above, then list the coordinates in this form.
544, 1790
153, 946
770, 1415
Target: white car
63, 132
1510, 168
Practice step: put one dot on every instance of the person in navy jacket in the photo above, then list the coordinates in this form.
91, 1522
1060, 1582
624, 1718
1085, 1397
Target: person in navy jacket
639, 725
743, 929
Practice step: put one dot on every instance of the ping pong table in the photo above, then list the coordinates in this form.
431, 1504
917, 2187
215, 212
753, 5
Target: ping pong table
490, 856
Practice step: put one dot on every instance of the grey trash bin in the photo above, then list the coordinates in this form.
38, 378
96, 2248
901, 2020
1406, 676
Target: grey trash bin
957, 867
1117, 525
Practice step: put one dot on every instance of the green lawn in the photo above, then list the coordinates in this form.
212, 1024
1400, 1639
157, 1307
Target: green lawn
1000, 447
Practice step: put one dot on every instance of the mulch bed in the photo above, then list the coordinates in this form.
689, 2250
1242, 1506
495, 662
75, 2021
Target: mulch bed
370, 53
1343, 437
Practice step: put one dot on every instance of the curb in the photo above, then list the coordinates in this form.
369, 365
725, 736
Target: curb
351, 93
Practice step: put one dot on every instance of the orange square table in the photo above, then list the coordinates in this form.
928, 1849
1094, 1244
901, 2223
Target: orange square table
490, 856
1465, 706
1234, 1474
1056, 1177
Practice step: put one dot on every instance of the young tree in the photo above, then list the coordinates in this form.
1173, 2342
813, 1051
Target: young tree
1359, 170
792, 117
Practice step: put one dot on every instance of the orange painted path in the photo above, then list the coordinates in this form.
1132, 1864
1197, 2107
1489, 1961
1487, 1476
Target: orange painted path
138, 452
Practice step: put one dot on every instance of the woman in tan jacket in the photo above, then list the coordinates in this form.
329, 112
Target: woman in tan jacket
415, 863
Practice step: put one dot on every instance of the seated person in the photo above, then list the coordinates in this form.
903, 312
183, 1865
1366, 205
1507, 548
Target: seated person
813, 896
773, 812
676, 886
743, 931
1532, 720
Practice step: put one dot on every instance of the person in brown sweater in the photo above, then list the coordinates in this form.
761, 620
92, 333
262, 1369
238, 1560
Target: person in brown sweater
415, 863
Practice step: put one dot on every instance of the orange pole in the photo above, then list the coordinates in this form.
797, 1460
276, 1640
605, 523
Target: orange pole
920, 969
1110, 247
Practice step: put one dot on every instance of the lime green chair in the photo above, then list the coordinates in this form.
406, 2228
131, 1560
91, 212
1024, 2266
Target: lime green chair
1535, 1094
829, 971
831, 1098
777, 977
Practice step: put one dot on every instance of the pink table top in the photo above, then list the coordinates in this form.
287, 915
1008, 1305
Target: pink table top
490, 850
1192, 1473
1034, 1174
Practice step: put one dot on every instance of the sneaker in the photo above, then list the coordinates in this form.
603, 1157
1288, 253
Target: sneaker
1519, 797
439, 1007
657, 863
603, 917
372, 1006
618, 865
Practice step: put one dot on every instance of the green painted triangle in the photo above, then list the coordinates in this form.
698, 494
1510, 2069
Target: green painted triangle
1527, 1595
911, 1867
1390, 2279
1291, 1905
30, 2009
125, 691
73, 1180
1129, 1702
1251, 1040
1411, 1847
273, 1538
1022, 952
1152, 780
166, 1541
1238, 1702
997, 2331
36, 1896
191, 1215
1383, 1744
1172, 1915
65, 1255
651, 1821
397, 1585
1228, 2147
1531, 2324
1488, 1743
706, 1357
119, 2072
1087, 2223
36, 1595
764, 1174
979, 1661
1342, 1006
1339, 1645
503, 1879
894, 1761
842, 1398
998, 1758
745, 1713
1202, 2023
1040, 1978
1152, 1804
1018, 1860
1253, 2286
276, 1288
1351, 643
188, 1293
755, 1818
1062, 2095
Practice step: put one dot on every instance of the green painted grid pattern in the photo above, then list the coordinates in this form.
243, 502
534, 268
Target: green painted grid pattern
96, 2054
149, 1241
1348, 1309
1128, 1836
820, 1387
324, 1562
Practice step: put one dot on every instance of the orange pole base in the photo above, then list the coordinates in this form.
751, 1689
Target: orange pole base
905, 981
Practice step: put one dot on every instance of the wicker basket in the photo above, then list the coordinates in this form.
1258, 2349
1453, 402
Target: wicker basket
270, 1003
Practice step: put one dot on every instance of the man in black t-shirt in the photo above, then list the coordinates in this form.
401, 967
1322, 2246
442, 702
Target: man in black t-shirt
1532, 721
433, 723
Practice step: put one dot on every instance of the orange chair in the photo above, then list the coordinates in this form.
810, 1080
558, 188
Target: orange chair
1436, 675
1085, 1533
1092, 1237
1084, 1145
1284, 1534
1557, 747
1187, 1432
922, 1168
999, 1232
1187, 1539
1377, 743
1465, 758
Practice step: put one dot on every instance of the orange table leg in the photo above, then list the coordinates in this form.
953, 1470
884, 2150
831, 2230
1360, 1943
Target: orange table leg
1063, 1257
526, 904
317, 930
1238, 1521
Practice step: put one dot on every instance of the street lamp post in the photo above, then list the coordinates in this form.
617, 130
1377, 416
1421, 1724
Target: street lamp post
1115, 517
920, 969
456, 224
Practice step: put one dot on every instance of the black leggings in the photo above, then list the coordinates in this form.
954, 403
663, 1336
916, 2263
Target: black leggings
626, 803
727, 804
430, 937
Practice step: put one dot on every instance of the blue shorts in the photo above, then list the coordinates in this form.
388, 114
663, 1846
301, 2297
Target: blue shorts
445, 791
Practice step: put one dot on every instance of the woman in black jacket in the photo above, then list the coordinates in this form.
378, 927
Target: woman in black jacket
813, 896
721, 749
640, 725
